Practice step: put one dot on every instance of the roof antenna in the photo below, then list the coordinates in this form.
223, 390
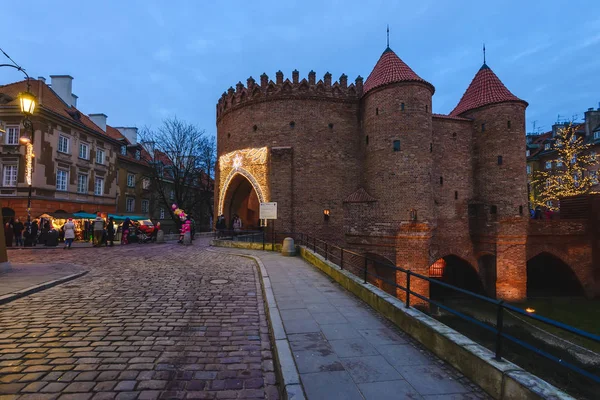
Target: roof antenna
388, 36
484, 53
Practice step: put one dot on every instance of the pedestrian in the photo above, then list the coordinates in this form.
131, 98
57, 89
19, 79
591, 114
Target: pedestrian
45, 230
9, 233
18, 229
237, 224
125, 231
69, 229
34, 232
110, 230
98, 230
193, 226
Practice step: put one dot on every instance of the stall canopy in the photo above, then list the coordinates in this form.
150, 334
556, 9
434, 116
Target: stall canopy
57, 215
122, 217
84, 215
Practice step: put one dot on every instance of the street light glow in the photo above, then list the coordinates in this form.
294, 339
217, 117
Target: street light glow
27, 102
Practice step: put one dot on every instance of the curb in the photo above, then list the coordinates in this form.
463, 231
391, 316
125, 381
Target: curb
291, 386
7, 298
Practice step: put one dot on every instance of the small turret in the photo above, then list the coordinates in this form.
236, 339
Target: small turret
264, 80
295, 76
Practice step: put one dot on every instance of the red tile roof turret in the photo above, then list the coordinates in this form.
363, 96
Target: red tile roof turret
486, 88
390, 69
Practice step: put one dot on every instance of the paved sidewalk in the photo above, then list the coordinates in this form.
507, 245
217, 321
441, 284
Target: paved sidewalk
344, 350
24, 276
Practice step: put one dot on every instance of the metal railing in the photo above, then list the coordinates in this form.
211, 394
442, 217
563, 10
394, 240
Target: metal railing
358, 265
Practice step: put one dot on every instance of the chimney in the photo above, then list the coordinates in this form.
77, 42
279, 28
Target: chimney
100, 120
41, 78
592, 120
74, 101
129, 132
63, 87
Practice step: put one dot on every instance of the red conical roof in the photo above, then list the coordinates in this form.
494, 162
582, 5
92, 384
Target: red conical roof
486, 88
389, 69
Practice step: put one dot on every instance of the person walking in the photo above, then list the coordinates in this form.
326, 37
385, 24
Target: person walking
237, 225
98, 230
9, 233
18, 229
125, 231
69, 229
110, 231
34, 232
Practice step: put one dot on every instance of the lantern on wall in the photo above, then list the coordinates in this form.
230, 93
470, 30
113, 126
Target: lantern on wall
27, 101
326, 213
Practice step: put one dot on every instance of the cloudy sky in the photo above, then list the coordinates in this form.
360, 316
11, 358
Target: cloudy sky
140, 61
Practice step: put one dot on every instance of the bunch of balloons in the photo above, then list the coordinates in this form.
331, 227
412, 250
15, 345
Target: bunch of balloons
179, 212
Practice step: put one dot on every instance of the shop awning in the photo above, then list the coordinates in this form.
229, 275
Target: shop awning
84, 215
131, 217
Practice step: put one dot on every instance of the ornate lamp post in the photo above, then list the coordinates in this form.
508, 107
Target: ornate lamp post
27, 102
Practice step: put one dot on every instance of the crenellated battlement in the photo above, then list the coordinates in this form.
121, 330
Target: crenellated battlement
306, 88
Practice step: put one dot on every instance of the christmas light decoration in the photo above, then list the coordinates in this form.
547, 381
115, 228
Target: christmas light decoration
570, 180
29, 163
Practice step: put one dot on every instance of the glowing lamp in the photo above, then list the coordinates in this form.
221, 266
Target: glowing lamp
326, 213
24, 139
27, 102
530, 310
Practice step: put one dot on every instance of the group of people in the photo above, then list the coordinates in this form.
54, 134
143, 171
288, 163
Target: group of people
537, 213
189, 225
235, 225
22, 234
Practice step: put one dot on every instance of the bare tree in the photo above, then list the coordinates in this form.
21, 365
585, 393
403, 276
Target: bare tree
181, 159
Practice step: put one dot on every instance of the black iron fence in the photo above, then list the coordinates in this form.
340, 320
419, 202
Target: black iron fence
362, 267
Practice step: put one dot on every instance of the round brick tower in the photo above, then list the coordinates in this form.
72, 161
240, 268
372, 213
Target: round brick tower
500, 183
309, 130
397, 124
498, 144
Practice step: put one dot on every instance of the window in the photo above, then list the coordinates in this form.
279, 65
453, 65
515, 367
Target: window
9, 177
130, 180
172, 195
597, 135
493, 210
82, 182
145, 206
559, 163
547, 146
99, 156
508, 124
594, 177
593, 155
63, 144
499, 160
124, 150
62, 178
84, 151
483, 127
549, 203
401, 106
367, 139
455, 195
527, 153
12, 134
431, 147
162, 213
548, 164
521, 210
130, 204
529, 169
377, 111
396, 145
138, 154
99, 187
146, 184
441, 180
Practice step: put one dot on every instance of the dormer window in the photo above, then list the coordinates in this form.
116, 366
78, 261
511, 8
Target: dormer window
138, 154
547, 146
527, 153
124, 150
597, 135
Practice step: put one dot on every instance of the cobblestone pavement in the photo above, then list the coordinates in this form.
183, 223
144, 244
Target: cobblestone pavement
145, 323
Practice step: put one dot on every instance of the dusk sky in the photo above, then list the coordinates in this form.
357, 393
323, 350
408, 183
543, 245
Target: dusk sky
141, 61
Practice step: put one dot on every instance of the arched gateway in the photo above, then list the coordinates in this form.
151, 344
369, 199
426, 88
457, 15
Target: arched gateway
241, 195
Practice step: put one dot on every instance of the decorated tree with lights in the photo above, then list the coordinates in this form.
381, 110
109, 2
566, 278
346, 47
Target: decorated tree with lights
570, 180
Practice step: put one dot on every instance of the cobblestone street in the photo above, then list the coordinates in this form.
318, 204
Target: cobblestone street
145, 323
